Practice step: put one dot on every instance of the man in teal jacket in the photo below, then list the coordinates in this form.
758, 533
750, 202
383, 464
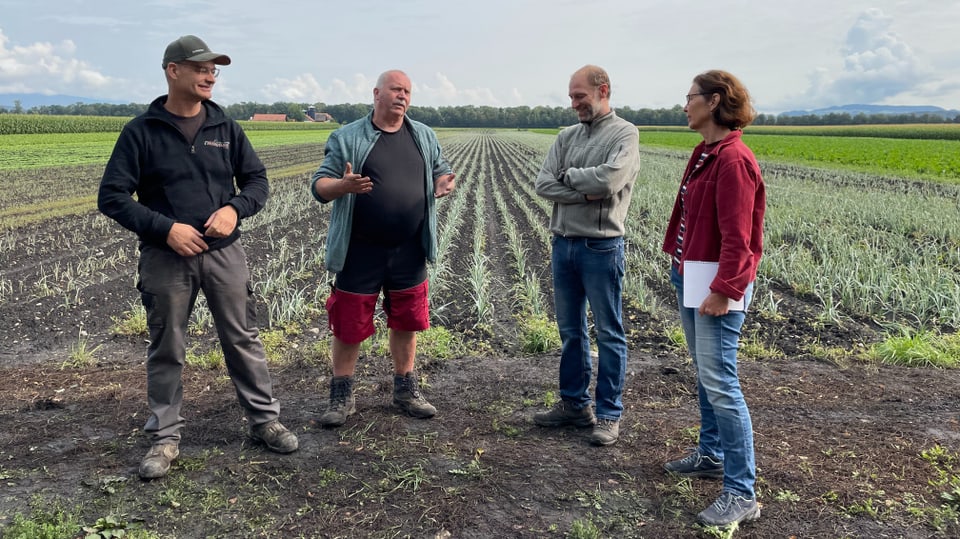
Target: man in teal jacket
383, 173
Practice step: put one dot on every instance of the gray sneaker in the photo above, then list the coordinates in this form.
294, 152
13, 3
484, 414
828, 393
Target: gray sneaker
342, 403
407, 397
157, 461
563, 414
696, 464
275, 436
605, 432
729, 509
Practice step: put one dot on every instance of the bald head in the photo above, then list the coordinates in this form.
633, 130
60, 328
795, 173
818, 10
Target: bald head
590, 93
593, 76
390, 75
391, 98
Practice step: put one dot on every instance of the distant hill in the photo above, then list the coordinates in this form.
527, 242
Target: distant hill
853, 110
28, 101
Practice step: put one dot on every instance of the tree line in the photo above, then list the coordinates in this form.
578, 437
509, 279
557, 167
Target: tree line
488, 116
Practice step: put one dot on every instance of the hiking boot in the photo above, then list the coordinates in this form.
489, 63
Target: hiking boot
275, 436
563, 414
729, 509
157, 461
696, 464
605, 432
341, 404
407, 397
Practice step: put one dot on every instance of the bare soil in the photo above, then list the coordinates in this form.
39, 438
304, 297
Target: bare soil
838, 442
830, 440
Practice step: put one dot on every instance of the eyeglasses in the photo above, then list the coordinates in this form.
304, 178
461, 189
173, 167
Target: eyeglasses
691, 96
203, 70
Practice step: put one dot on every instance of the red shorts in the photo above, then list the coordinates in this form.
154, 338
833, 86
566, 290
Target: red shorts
350, 315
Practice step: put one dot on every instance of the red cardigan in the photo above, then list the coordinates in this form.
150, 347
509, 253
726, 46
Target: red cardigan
725, 201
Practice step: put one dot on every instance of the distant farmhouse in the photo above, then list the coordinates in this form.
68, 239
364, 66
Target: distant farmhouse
260, 117
314, 116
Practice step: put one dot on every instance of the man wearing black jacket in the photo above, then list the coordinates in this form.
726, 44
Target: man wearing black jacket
196, 176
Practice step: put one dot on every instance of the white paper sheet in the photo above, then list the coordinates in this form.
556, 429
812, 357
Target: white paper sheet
697, 277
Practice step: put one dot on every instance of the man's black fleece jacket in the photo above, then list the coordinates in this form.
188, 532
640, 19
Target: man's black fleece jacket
178, 180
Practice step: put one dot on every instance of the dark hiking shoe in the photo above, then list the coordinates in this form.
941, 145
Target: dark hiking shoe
605, 432
275, 436
729, 509
157, 461
407, 397
562, 414
341, 404
696, 464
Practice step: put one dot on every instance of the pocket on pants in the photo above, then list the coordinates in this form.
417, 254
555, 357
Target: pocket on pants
251, 307
603, 245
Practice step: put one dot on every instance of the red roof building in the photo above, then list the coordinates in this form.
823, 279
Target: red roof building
259, 117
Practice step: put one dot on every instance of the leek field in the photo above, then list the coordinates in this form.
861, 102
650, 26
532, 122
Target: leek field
848, 357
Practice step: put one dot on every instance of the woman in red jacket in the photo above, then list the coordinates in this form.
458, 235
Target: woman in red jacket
715, 237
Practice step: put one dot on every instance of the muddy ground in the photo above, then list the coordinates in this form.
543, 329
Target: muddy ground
838, 452
845, 448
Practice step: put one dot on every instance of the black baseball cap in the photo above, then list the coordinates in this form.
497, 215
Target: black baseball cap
192, 48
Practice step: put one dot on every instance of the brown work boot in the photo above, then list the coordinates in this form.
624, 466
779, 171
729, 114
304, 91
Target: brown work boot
157, 461
563, 414
341, 404
275, 436
407, 397
605, 432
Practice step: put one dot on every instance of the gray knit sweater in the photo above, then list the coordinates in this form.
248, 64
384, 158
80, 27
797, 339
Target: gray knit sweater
601, 157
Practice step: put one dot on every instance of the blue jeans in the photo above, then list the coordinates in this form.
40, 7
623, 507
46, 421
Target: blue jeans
590, 269
726, 431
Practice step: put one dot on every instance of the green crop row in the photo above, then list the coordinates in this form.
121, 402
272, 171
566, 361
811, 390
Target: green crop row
288, 126
37, 124
904, 131
907, 158
32, 124
61, 149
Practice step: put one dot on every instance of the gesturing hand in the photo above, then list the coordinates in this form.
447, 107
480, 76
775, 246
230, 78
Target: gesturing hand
444, 185
355, 183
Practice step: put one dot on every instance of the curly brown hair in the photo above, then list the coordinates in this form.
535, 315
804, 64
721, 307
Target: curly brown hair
736, 109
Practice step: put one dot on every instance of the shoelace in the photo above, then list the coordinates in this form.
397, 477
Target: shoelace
411, 385
724, 501
693, 458
338, 394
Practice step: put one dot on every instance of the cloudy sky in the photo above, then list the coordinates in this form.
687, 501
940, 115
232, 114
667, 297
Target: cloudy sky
810, 54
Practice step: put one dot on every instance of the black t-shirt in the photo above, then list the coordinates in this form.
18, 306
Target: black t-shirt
393, 212
190, 126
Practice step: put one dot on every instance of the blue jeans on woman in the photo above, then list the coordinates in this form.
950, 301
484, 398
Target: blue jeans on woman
590, 270
726, 431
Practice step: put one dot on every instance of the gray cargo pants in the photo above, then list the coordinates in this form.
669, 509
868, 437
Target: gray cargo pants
169, 284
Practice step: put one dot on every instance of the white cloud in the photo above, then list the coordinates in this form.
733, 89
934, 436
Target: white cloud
447, 93
306, 89
878, 66
47, 68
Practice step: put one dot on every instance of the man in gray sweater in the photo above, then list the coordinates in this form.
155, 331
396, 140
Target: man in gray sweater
588, 175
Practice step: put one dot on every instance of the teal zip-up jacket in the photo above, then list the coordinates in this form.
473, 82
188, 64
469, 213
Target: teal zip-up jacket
352, 143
